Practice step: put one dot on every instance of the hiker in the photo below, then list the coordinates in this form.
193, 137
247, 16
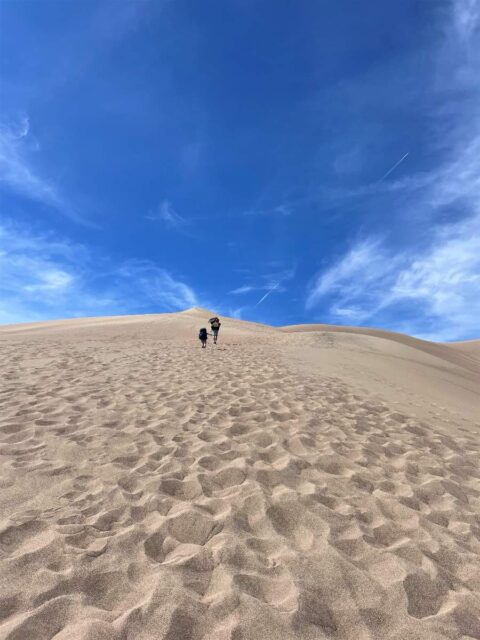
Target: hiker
215, 324
203, 337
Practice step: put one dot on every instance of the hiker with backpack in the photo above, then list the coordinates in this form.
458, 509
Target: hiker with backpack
203, 337
215, 324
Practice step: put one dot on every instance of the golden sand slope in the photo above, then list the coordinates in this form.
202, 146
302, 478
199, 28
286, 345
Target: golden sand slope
281, 485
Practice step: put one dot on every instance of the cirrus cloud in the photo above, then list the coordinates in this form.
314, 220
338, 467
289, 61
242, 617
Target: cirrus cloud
46, 277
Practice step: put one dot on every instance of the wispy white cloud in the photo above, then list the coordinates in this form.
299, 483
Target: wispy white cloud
445, 280
267, 282
167, 214
158, 285
15, 171
46, 277
237, 313
436, 283
466, 16
456, 178
243, 289
18, 174
21, 129
434, 280
349, 276
38, 272
440, 284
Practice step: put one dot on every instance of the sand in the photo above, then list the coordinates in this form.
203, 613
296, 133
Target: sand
295, 483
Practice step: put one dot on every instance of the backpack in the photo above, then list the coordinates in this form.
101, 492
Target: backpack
215, 323
203, 334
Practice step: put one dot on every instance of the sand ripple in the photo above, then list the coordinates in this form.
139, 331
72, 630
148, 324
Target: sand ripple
151, 491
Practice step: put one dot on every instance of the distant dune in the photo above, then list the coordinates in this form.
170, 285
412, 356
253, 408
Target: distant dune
414, 374
304, 482
470, 347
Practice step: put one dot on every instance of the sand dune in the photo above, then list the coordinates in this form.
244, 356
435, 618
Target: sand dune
470, 347
426, 379
285, 484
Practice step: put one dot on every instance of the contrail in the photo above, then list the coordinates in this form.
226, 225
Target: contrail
268, 293
393, 168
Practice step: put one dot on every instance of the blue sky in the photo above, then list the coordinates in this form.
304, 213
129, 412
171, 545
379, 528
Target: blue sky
280, 162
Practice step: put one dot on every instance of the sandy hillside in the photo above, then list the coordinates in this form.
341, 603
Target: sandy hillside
470, 347
296, 483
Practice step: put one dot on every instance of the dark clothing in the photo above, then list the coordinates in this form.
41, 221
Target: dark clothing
215, 324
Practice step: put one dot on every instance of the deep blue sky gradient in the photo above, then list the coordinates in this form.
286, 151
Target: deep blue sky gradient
177, 152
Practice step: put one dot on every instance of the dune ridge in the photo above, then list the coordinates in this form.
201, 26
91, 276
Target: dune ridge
286, 484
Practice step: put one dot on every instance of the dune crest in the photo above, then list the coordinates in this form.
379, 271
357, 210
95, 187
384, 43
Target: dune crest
288, 483
198, 312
